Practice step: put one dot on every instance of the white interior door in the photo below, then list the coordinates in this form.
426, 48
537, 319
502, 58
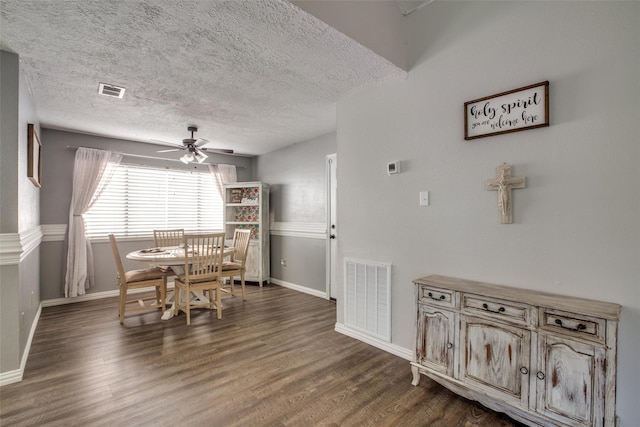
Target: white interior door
332, 226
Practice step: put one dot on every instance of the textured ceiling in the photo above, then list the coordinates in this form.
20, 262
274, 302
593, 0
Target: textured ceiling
254, 76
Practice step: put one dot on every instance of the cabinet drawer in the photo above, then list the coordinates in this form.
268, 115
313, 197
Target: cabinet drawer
496, 308
591, 328
436, 296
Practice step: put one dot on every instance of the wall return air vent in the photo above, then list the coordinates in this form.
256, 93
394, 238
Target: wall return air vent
111, 90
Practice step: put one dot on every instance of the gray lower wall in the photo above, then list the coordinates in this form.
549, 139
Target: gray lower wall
305, 261
29, 295
297, 181
52, 268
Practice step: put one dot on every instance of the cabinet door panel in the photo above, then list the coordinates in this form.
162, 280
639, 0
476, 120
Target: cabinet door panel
252, 264
496, 358
569, 381
435, 339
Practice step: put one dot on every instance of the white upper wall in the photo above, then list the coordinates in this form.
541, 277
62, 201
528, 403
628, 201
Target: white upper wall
577, 221
378, 25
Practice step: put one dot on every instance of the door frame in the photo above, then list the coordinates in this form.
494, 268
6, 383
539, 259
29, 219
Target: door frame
331, 247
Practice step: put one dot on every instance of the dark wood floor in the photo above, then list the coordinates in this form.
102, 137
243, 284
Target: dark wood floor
273, 360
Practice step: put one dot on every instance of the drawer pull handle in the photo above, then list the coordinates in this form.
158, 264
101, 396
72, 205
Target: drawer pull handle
486, 307
449, 346
434, 298
524, 371
540, 375
580, 327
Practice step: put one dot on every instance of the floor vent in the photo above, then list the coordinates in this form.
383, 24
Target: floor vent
111, 90
368, 298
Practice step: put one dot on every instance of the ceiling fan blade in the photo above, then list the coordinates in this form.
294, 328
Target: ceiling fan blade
168, 151
160, 142
200, 142
218, 150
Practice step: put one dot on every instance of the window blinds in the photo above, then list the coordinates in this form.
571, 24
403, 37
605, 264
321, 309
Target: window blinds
142, 198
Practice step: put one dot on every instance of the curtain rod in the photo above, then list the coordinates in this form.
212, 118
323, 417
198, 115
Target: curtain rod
142, 156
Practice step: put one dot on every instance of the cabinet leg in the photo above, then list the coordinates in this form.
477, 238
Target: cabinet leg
416, 375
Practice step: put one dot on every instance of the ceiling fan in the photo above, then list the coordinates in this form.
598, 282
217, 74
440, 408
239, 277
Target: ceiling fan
195, 149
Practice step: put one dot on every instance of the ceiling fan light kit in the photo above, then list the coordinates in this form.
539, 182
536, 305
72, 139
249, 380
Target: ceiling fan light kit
187, 158
200, 156
191, 156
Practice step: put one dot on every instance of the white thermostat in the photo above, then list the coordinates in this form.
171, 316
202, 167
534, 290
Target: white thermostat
393, 168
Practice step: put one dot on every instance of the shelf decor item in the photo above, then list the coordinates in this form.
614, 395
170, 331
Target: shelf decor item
519, 109
235, 195
34, 154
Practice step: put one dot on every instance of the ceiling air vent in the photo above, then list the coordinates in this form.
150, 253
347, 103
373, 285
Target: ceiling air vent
111, 90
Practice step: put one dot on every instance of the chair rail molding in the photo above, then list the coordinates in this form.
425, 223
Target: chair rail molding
14, 247
54, 232
309, 230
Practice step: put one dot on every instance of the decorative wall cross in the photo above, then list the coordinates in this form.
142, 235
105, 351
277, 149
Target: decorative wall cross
504, 183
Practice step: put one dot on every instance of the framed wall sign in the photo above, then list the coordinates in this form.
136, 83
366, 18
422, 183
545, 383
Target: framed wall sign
512, 111
34, 168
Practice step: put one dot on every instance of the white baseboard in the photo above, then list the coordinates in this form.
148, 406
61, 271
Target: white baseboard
15, 376
402, 352
95, 296
299, 288
11, 377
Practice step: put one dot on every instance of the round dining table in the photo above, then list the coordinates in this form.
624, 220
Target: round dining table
173, 257
168, 255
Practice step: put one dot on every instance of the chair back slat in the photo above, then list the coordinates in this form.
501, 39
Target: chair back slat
116, 257
241, 240
163, 238
203, 255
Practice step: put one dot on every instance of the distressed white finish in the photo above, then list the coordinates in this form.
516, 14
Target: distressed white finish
544, 359
254, 76
436, 337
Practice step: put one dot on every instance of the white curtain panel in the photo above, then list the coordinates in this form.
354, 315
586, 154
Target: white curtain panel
92, 171
223, 174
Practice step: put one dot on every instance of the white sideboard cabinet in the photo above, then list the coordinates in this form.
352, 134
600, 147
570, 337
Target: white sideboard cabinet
541, 358
246, 206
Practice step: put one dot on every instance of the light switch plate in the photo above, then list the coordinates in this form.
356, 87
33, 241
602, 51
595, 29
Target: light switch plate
424, 198
393, 167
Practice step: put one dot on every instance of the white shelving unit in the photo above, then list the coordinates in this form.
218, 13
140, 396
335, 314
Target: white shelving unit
246, 205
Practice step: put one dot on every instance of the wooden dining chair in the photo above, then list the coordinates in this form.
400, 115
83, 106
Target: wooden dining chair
236, 265
202, 267
152, 277
163, 238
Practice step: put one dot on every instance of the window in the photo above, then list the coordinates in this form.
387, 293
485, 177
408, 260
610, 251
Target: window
139, 199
